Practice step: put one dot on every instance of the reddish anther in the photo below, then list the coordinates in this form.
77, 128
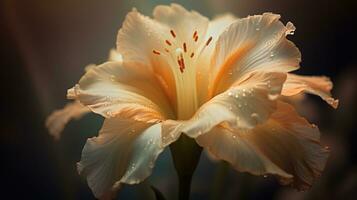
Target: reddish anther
168, 42
184, 47
173, 33
156, 52
208, 41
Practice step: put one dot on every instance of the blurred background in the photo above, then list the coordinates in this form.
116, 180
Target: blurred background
45, 45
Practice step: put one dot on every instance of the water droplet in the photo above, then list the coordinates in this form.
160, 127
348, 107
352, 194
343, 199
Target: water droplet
230, 93
254, 115
110, 114
265, 176
151, 164
272, 54
236, 96
234, 136
239, 105
113, 78
268, 84
273, 96
199, 132
314, 126
133, 166
151, 141
257, 29
244, 94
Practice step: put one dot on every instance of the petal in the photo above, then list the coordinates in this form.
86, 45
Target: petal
58, 119
124, 152
251, 44
181, 21
286, 139
243, 106
317, 85
215, 28
138, 38
112, 88
223, 143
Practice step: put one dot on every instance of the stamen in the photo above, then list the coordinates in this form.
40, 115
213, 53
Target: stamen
173, 33
196, 38
182, 62
192, 54
184, 47
156, 52
168, 42
167, 50
208, 41
194, 35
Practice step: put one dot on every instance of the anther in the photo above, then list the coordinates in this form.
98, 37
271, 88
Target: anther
173, 33
194, 35
184, 47
167, 50
156, 52
182, 62
208, 41
192, 54
168, 42
196, 38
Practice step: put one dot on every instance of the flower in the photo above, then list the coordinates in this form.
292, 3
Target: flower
215, 81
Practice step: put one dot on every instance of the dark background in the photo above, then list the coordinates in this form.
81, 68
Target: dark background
44, 46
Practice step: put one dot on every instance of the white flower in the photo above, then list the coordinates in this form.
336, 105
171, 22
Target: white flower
216, 81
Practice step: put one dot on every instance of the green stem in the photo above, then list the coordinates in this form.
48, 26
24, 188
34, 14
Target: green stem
186, 154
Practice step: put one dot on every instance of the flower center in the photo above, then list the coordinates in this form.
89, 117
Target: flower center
182, 57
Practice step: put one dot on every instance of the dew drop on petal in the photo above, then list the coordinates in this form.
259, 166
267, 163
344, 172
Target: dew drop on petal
151, 164
273, 96
254, 115
272, 54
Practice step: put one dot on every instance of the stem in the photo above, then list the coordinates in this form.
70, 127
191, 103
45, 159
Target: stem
186, 154
184, 188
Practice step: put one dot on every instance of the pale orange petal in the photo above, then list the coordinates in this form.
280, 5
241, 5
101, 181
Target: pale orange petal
317, 85
288, 141
112, 88
124, 152
58, 119
215, 29
141, 40
255, 43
